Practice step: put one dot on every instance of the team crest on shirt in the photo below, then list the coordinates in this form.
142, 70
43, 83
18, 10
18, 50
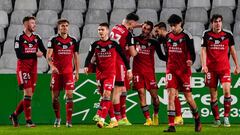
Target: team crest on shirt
217, 42
103, 50
16, 45
149, 44
143, 47
110, 46
71, 43
222, 38
180, 40
36, 40
65, 47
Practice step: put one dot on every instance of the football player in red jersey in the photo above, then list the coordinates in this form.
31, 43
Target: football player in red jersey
105, 52
121, 34
160, 32
180, 57
62, 55
26, 47
217, 43
144, 71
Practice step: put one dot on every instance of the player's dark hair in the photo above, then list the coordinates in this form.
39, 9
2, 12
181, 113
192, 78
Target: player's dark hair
104, 25
61, 21
27, 18
174, 19
215, 17
149, 23
132, 16
161, 25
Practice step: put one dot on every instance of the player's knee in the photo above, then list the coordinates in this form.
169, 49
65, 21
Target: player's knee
55, 99
69, 94
107, 94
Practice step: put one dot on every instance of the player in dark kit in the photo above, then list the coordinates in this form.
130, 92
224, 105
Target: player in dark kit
144, 71
160, 32
62, 53
106, 51
120, 33
180, 57
217, 43
27, 45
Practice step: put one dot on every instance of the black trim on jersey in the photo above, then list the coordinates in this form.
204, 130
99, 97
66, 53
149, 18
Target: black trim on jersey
158, 49
90, 54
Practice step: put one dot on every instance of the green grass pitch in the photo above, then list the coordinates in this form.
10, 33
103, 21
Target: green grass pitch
122, 130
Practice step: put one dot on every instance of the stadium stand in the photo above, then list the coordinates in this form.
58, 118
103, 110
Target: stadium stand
84, 16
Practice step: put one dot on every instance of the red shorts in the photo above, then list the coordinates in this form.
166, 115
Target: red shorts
26, 79
181, 82
212, 77
106, 83
146, 80
62, 81
120, 75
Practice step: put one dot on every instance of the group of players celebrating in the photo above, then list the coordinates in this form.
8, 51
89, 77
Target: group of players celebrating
110, 55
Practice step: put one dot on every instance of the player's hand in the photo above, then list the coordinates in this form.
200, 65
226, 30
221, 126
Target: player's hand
129, 74
236, 70
54, 70
39, 54
189, 63
205, 69
86, 70
138, 48
76, 77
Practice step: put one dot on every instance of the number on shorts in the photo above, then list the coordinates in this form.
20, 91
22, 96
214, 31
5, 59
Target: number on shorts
169, 76
208, 76
26, 76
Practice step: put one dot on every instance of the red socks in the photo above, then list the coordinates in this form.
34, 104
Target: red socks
19, 108
69, 109
227, 106
27, 107
214, 106
56, 108
177, 106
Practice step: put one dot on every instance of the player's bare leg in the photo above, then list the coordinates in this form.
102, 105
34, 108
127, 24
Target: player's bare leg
178, 120
171, 110
144, 106
227, 103
69, 107
56, 108
106, 103
156, 102
194, 109
214, 106
27, 106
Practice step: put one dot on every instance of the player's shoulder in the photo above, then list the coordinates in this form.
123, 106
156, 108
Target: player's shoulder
37, 36
228, 32
187, 33
153, 40
53, 37
205, 32
18, 36
73, 38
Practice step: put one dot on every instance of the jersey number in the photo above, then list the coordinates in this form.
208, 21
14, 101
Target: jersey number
115, 37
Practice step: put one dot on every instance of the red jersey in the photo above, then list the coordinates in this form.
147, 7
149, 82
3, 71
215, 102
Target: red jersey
106, 56
143, 62
124, 38
217, 47
26, 49
180, 48
63, 50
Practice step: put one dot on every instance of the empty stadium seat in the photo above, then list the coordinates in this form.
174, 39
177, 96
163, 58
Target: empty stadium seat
90, 31
118, 15
73, 16
237, 43
149, 4
96, 16
197, 43
29, 5
226, 26
8, 46
160, 66
83, 57
2, 35
197, 64
225, 12
74, 31
6, 5
47, 17
199, 3
237, 19
50, 5
100, 4
75, 5
18, 15
45, 31
3, 19
196, 14
179, 4
14, 30
10, 62
147, 14
224, 3
195, 28
125, 4
85, 44
42, 65
166, 13
236, 29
